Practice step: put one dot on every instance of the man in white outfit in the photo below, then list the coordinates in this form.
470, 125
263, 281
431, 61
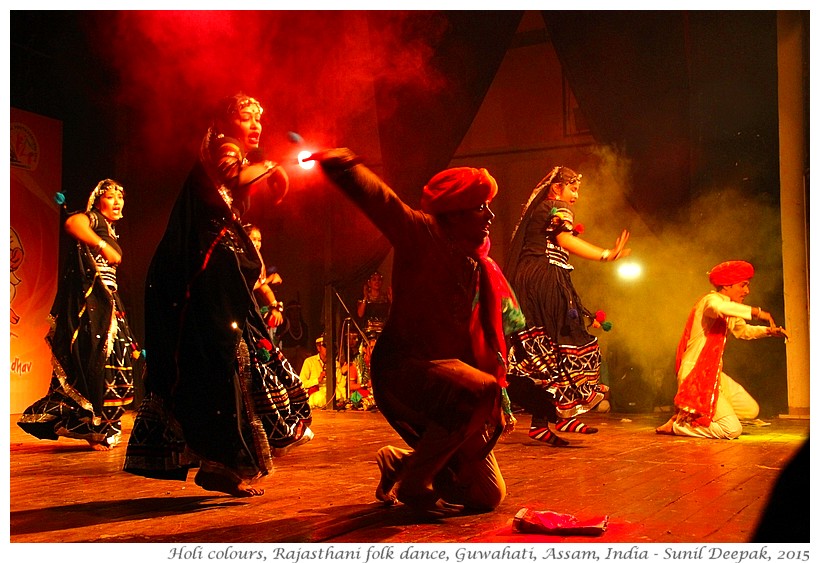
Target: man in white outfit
313, 376
709, 403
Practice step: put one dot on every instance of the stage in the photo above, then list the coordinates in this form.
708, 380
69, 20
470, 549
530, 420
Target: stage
653, 488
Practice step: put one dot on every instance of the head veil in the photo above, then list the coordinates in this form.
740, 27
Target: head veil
538, 195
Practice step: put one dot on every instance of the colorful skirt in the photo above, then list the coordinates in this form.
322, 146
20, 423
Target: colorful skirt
567, 374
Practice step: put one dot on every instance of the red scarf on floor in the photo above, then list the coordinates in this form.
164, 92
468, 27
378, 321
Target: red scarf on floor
698, 393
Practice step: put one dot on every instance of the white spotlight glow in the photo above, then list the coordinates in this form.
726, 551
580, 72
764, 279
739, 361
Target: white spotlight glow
306, 164
630, 270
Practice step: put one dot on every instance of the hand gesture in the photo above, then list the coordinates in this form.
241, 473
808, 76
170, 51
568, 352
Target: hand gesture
773, 329
778, 331
766, 316
275, 318
620, 250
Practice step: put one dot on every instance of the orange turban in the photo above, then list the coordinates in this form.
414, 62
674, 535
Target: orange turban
456, 189
730, 273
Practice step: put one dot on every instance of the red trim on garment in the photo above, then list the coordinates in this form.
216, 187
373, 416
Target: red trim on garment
698, 393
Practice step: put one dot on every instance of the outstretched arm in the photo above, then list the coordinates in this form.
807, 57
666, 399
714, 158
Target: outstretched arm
773, 329
740, 328
580, 247
374, 197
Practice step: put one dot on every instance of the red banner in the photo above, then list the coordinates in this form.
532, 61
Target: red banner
36, 169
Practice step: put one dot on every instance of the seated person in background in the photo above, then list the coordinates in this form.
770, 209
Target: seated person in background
361, 398
313, 377
709, 403
348, 351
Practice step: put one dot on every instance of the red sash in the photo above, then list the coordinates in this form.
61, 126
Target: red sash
698, 393
486, 323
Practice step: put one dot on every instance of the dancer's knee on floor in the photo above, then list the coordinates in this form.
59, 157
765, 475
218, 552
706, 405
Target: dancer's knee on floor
729, 427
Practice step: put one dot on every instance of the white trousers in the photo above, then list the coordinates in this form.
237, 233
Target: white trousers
733, 405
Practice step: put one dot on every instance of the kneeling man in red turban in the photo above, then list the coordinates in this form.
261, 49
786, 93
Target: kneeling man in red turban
438, 369
709, 403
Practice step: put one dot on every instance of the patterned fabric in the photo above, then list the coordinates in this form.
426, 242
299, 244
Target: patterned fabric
219, 392
375, 315
569, 374
555, 350
157, 447
92, 348
65, 412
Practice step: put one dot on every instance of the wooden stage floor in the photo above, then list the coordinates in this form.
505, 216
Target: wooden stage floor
653, 488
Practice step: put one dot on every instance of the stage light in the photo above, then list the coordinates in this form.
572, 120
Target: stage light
630, 270
306, 164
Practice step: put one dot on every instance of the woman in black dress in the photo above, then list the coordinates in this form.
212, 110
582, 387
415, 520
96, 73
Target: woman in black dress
219, 393
92, 346
554, 363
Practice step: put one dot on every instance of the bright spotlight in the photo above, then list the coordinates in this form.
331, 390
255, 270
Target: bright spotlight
306, 164
630, 270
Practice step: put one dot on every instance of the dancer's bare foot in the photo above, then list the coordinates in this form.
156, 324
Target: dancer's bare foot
389, 461
99, 446
428, 502
224, 484
666, 428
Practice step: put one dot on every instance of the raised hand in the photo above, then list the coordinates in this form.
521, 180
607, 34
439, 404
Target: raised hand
620, 250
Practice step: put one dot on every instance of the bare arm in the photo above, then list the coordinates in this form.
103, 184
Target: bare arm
580, 247
267, 298
229, 162
79, 227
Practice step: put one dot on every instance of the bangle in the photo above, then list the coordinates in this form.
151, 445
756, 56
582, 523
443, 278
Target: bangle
100, 245
605, 255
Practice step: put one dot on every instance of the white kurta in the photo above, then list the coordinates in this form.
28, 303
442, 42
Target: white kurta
734, 402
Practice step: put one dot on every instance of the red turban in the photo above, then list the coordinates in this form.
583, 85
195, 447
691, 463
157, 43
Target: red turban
456, 189
730, 273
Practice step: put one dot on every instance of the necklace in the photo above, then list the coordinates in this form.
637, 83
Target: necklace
111, 230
